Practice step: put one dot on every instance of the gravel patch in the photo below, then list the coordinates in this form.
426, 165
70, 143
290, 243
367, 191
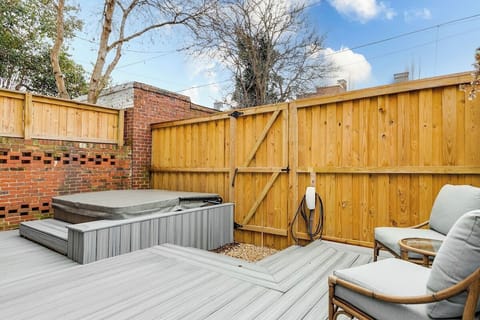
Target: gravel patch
244, 251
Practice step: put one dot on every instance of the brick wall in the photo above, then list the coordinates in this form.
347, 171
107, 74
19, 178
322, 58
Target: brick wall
33, 171
153, 105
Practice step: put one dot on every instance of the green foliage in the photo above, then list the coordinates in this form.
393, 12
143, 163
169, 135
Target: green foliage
255, 82
26, 32
43, 81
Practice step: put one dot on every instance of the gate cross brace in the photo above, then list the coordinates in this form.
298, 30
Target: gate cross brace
262, 137
259, 200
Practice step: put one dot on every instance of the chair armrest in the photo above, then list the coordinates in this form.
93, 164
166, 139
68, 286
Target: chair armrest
470, 284
420, 225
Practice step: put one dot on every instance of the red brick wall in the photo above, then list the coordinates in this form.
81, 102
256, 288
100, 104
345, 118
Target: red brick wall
34, 171
153, 105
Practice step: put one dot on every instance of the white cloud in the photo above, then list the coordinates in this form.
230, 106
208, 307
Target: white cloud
203, 79
352, 66
417, 14
363, 10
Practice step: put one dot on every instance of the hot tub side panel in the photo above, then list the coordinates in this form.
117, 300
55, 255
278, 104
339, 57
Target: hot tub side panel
204, 228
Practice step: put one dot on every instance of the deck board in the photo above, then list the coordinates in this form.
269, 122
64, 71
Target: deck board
21, 258
174, 282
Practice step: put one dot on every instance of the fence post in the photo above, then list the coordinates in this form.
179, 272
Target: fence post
293, 165
27, 116
120, 126
231, 175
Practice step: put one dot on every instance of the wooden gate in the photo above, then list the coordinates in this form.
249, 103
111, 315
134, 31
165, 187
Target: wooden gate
259, 173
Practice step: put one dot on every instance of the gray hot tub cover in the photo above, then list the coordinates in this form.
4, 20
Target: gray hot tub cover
121, 204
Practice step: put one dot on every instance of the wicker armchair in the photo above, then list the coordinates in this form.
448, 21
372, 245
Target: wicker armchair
450, 204
397, 289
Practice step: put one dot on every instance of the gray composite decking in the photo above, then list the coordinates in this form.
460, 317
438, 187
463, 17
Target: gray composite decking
168, 282
21, 258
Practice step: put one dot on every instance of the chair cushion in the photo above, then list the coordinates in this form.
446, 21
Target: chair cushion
390, 276
390, 236
451, 203
457, 258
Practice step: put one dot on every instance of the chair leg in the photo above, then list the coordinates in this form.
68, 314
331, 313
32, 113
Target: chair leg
472, 300
331, 306
376, 250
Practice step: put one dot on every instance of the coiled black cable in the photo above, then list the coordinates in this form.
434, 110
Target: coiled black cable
314, 230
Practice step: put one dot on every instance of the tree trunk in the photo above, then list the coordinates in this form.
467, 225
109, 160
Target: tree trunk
55, 53
96, 85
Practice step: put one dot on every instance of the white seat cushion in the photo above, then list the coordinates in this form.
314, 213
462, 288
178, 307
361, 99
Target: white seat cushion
392, 277
457, 258
390, 236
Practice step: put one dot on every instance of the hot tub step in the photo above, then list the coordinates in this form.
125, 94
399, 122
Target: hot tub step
48, 232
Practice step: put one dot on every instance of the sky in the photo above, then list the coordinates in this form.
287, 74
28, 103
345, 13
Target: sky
369, 41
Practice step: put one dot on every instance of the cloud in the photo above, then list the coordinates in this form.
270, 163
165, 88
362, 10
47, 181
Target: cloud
203, 79
352, 66
363, 10
417, 14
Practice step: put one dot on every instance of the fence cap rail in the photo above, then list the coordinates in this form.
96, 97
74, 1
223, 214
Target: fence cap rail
224, 115
39, 97
426, 83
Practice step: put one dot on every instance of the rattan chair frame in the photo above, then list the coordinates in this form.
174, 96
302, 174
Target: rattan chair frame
337, 306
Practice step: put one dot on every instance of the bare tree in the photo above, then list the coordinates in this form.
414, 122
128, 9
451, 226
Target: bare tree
57, 49
124, 21
269, 47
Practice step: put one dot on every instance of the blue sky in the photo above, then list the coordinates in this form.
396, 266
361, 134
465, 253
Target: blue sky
429, 38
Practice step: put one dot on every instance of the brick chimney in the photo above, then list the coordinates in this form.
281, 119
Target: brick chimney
400, 77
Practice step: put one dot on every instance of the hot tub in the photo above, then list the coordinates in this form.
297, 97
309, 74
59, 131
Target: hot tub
99, 225
123, 204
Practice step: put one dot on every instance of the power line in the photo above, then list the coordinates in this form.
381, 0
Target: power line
141, 61
437, 26
414, 47
131, 50
204, 85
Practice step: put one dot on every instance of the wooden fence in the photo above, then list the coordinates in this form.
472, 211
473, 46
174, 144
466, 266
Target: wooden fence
24, 115
376, 156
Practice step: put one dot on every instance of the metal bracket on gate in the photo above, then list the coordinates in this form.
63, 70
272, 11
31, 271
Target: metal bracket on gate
235, 114
287, 169
237, 225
